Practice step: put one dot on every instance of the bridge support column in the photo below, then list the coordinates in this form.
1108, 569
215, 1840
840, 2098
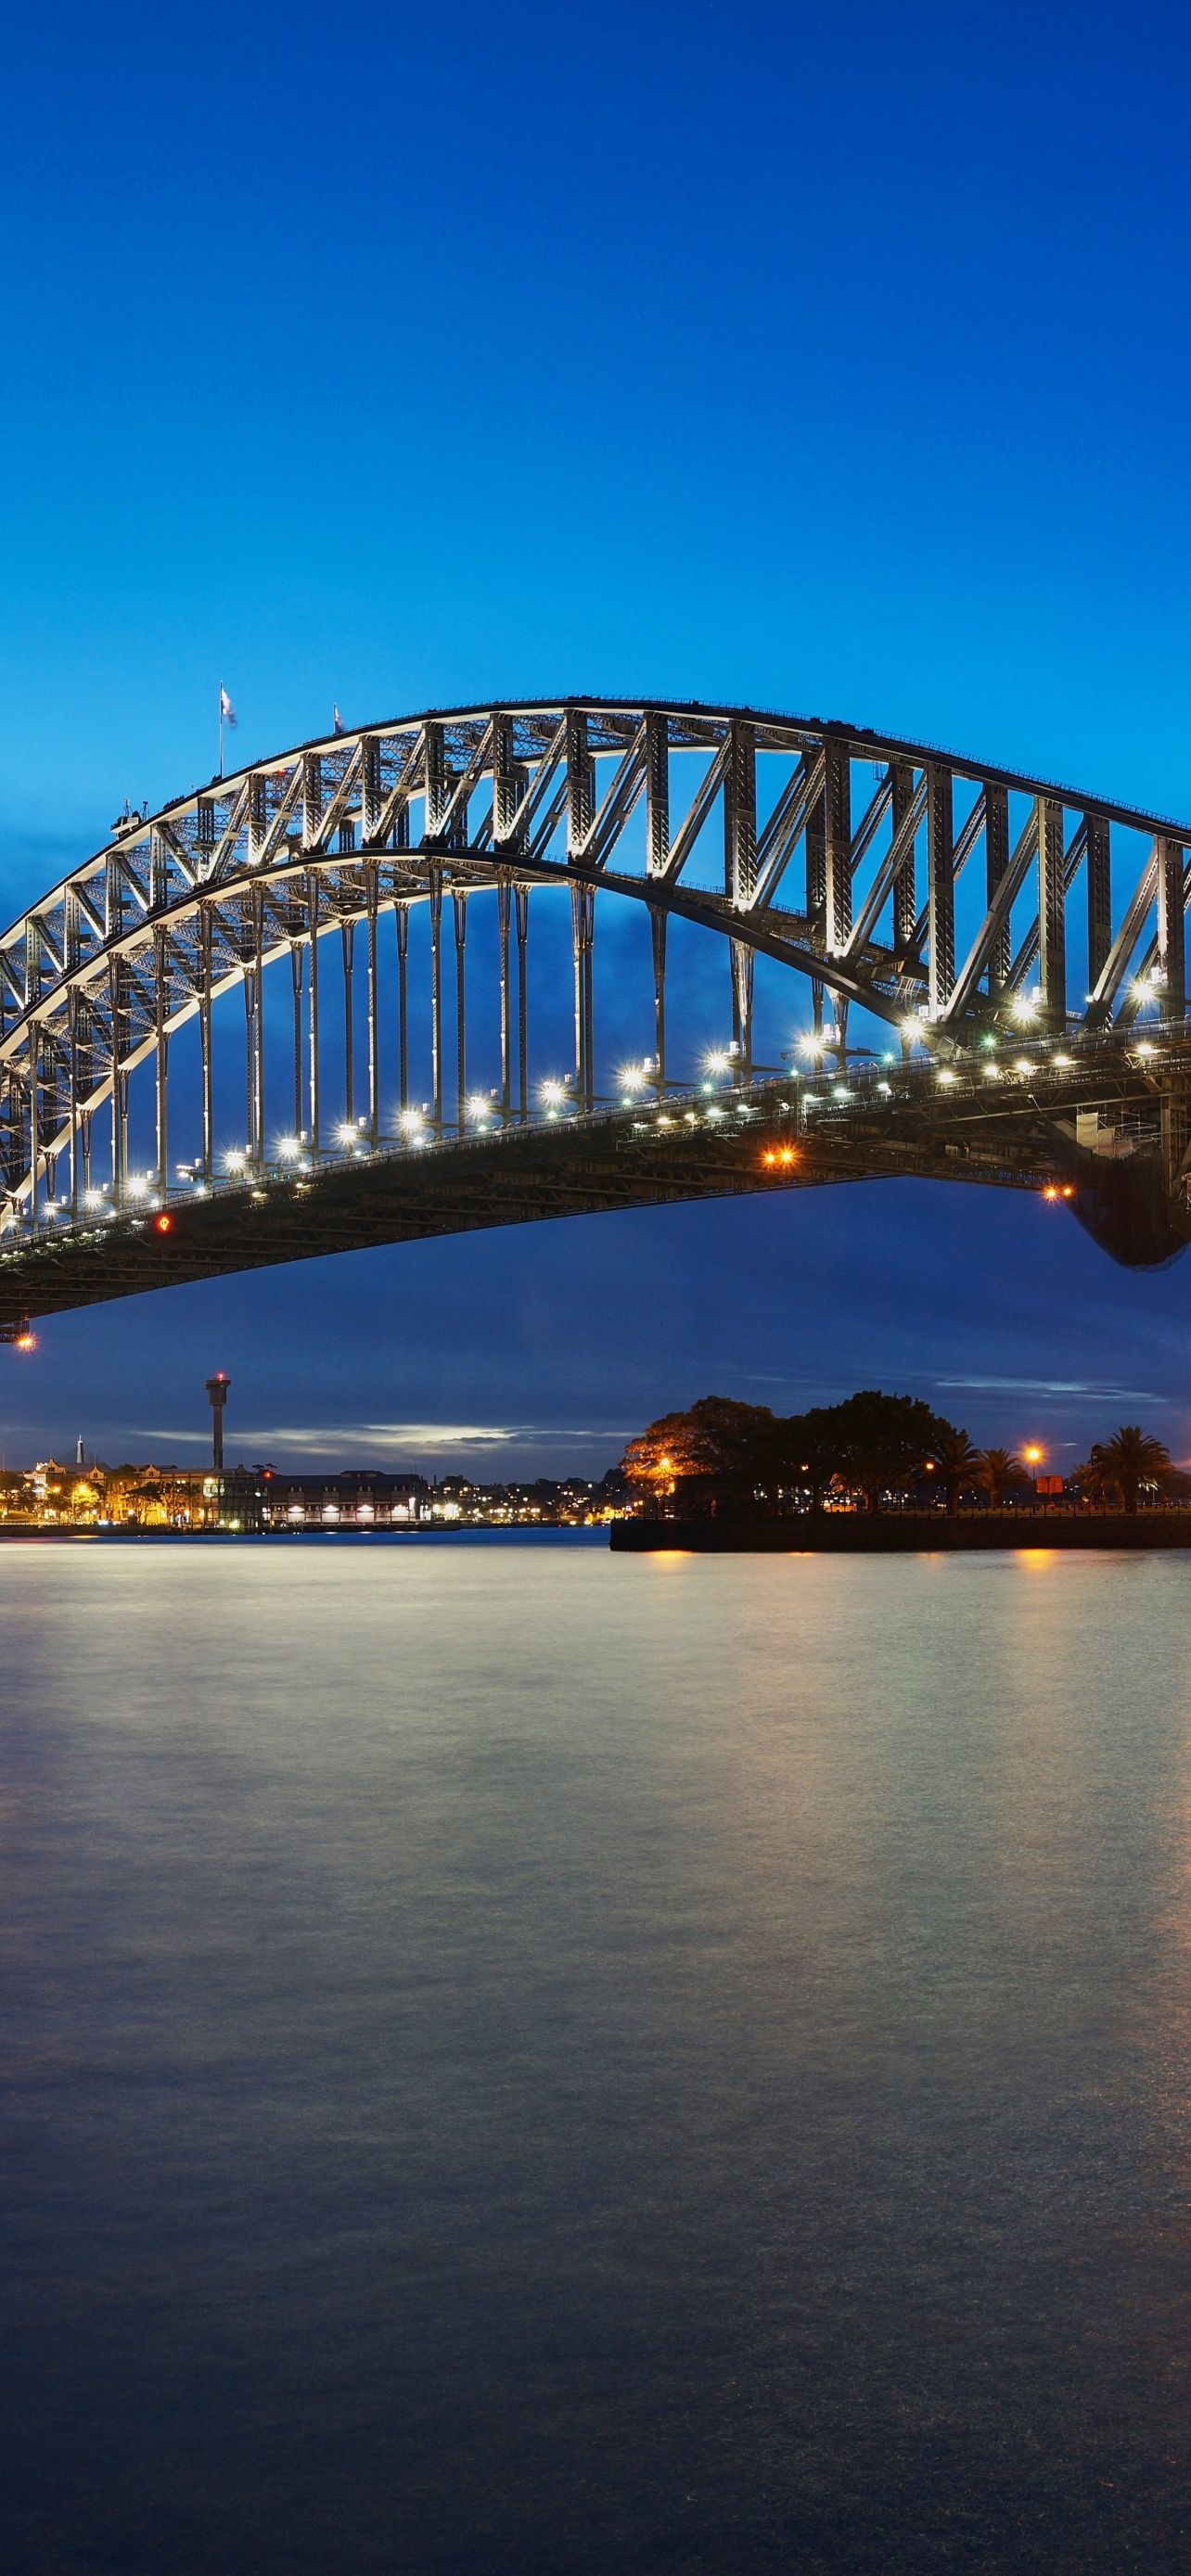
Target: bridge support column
1099, 871
503, 910
258, 1069
204, 949
657, 925
162, 1119
580, 783
940, 890
816, 895
119, 1132
115, 999
436, 994
1172, 944
160, 1062
250, 1005
1052, 915
297, 966
254, 1033
34, 1117
401, 916
161, 1070
742, 1004
521, 907
312, 907
72, 1025
657, 794
816, 867
588, 1011
837, 770
373, 1027
459, 907
347, 932
905, 888
582, 923
740, 875
996, 862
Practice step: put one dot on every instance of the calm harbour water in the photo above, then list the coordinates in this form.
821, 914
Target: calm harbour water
520, 2060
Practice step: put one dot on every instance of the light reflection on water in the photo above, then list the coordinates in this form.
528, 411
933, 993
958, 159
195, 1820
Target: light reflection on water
522, 2060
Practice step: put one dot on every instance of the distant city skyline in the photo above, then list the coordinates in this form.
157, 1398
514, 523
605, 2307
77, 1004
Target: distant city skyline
1065, 1414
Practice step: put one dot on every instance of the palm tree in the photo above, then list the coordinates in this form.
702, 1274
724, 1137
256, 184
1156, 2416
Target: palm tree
1131, 1459
958, 1462
1000, 1468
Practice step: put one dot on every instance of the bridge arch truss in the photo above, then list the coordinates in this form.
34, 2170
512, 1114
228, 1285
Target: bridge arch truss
939, 897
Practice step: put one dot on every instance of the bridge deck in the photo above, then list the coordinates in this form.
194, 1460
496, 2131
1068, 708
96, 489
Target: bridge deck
1015, 1132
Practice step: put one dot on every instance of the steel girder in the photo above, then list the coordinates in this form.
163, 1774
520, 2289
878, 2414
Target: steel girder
205, 895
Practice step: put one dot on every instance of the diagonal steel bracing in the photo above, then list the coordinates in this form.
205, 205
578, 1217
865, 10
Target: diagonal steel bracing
650, 802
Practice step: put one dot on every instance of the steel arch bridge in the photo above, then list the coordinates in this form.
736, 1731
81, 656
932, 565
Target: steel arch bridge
993, 969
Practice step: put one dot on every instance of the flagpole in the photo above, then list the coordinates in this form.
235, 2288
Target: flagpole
221, 728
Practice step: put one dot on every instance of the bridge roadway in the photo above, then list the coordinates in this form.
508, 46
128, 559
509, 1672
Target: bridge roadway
1088, 1123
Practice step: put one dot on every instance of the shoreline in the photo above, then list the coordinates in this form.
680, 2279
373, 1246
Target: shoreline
256, 1538
904, 1533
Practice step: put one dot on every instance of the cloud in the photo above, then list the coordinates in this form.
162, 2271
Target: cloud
407, 1439
1076, 1388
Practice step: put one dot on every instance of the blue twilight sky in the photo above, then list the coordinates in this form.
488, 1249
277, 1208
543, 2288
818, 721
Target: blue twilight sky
832, 358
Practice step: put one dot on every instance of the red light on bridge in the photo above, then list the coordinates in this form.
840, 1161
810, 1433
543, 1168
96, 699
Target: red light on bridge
163, 1223
26, 1341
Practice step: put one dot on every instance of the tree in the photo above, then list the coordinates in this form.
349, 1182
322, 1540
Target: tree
1122, 1465
958, 1462
803, 1450
881, 1441
715, 1439
998, 1470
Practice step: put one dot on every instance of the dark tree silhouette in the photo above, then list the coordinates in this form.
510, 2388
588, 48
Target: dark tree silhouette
957, 1461
1121, 1466
1000, 1470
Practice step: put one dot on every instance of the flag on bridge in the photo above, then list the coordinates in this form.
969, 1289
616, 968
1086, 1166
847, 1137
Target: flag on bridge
338, 725
227, 712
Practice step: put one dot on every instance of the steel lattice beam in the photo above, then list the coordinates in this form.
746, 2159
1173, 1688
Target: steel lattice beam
204, 897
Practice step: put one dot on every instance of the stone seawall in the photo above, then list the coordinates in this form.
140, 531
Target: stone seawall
904, 1533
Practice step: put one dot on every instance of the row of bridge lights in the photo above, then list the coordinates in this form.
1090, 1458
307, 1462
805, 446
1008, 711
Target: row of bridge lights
417, 1127
556, 1094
